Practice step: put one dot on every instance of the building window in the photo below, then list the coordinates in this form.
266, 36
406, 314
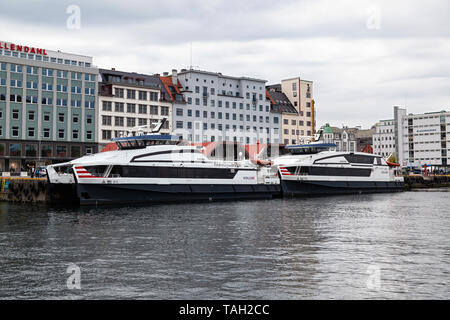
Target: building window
45, 86
31, 115
15, 114
119, 121
15, 98
47, 72
131, 122
46, 133
88, 91
154, 110
89, 77
15, 131
89, 119
131, 108
75, 134
131, 94
179, 124
61, 133
118, 92
106, 134
61, 102
62, 74
32, 99
118, 106
16, 68
76, 75
16, 83
153, 96
75, 103
142, 109
88, 135
142, 95
164, 111
106, 120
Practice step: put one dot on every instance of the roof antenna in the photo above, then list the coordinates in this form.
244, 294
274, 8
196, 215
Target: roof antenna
190, 66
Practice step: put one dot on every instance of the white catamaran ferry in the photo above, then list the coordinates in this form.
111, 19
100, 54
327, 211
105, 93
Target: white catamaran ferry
158, 168
316, 169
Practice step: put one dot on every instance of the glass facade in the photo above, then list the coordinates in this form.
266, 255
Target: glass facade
42, 103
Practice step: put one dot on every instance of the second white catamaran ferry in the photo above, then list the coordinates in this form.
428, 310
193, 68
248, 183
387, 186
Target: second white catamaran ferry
317, 169
158, 168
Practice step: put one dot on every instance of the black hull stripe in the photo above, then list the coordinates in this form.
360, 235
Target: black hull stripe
88, 194
337, 187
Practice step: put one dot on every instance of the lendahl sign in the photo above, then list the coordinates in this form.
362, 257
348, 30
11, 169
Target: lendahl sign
21, 48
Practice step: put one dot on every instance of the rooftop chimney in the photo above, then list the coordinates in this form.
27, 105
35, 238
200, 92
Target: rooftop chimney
174, 77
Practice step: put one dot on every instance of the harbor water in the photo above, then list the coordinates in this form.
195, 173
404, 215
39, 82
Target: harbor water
380, 246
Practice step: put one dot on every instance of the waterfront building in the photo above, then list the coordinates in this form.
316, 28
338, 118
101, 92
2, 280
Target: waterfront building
224, 108
281, 104
422, 139
384, 138
348, 139
300, 127
48, 106
128, 100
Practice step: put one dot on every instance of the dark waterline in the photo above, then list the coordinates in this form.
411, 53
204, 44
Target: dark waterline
317, 248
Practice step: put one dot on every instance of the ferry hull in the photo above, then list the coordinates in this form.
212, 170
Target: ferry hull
63, 194
305, 188
104, 194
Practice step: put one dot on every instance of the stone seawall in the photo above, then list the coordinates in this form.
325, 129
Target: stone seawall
413, 182
32, 190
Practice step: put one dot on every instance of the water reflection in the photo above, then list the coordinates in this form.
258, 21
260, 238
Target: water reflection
278, 249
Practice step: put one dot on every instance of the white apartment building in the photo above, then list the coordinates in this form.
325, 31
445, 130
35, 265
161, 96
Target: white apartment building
224, 108
422, 138
128, 100
384, 138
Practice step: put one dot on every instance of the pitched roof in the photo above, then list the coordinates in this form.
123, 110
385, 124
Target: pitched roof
280, 102
172, 90
130, 78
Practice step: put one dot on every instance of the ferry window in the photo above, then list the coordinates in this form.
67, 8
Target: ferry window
353, 158
116, 172
96, 170
304, 170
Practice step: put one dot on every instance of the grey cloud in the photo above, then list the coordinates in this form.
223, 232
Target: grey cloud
234, 20
358, 73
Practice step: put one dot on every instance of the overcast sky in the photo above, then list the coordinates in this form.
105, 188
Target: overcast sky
363, 56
